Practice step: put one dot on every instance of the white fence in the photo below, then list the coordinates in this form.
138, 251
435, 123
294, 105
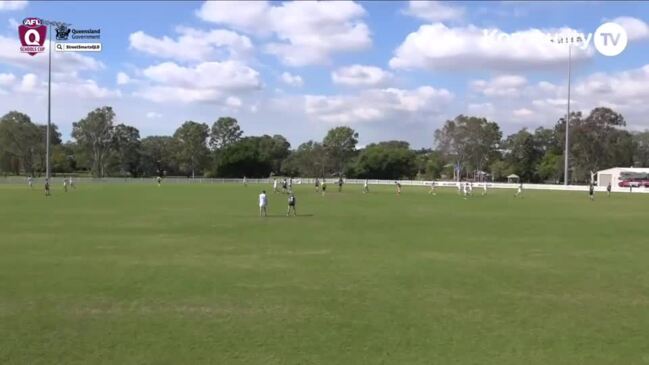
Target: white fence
310, 181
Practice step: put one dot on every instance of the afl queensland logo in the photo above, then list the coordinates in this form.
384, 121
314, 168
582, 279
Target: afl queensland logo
32, 35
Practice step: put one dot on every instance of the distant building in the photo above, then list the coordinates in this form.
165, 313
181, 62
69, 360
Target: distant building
624, 177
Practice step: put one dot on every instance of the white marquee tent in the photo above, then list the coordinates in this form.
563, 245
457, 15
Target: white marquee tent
617, 175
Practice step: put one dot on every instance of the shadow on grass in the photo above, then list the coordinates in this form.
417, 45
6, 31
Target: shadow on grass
289, 216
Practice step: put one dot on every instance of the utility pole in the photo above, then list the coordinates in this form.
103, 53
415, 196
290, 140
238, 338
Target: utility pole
569, 40
50, 25
567, 149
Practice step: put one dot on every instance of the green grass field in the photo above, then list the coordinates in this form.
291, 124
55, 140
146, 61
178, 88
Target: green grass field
182, 274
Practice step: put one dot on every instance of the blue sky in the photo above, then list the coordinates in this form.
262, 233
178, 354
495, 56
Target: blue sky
391, 70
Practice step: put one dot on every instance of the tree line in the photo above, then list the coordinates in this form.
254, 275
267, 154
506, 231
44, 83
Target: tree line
465, 147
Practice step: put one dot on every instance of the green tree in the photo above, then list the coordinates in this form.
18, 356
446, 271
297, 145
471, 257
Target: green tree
40, 148
244, 158
429, 163
597, 142
308, 160
127, 146
63, 158
386, 160
550, 168
340, 146
191, 148
641, 149
499, 170
94, 135
274, 150
19, 141
470, 142
523, 155
224, 132
158, 156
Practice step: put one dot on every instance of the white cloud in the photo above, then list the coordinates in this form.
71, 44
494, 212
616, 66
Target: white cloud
522, 112
227, 75
28, 84
250, 17
627, 88
434, 11
122, 78
73, 87
360, 75
438, 47
153, 115
12, 5
64, 86
376, 105
87, 89
543, 103
233, 101
307, 32
13, 23
636, 29
7, 79
205, 82
193, 45
481, 109
504, 85
168, 94
292, 80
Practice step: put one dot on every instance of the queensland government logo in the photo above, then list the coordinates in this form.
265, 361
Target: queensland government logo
32, 34
62, 32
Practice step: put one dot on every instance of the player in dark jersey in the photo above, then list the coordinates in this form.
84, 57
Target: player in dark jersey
291, 205
591, 192
317, 185
608, 189
47, 187
324, 187
340, 184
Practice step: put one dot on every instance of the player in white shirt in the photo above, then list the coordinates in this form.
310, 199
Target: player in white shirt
484, 189
366, 187
30, 182
71, 183
470, 188
466, 190
459, 188
245, 182
65, 185
519, 191
432, 188
275, 190
263, 204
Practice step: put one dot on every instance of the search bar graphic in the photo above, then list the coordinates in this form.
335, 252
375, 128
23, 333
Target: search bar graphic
78, 47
